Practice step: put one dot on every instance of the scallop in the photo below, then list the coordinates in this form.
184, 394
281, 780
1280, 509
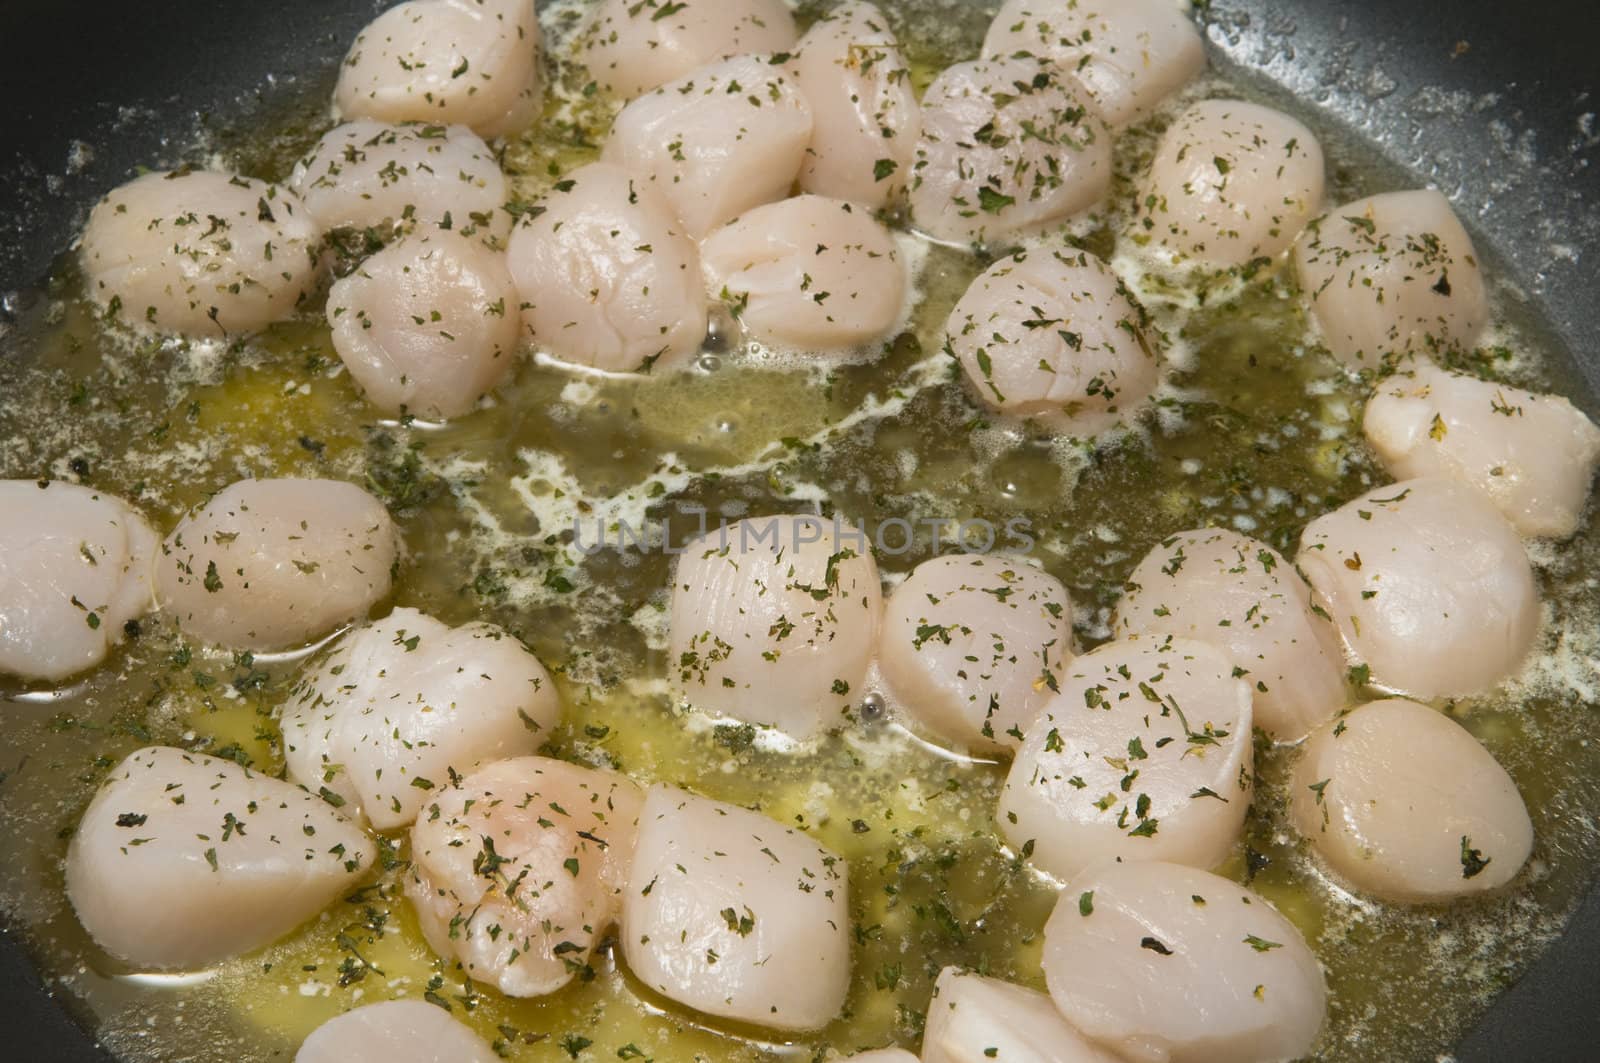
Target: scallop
1007, 146
607, 275
1404, 804
1162, 963
426, 326
183, 860
808, 272
973, 1018
1532, 455
460, 62
75, 576
1429, 585
395, 1031
271, 565
517, 870
1145, 754
1130, 54
633, 46
1053, 335
1232, 183
200, 253
729, 137
867, 119
773, 621
1393, 274
735, 915
1241, 596
407, 703
367, 174
973, 646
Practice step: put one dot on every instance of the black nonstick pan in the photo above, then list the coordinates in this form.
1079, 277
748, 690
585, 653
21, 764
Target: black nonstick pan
1493, 102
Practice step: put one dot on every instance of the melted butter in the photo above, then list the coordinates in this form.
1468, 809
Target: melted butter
1252, 429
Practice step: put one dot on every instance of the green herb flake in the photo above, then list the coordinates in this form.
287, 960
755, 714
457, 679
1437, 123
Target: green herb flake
992, 202
1472, 860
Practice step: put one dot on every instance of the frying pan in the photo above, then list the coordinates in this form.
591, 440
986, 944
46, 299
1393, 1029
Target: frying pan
1493, 102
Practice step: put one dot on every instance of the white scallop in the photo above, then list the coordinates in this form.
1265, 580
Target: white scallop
1406, 805
1232, 182
1167, 964
1392, 274
368, 174
74, 570
1241, 596
1007, 146
1532, 455
517, 871
866, 116
974, 1019
773, 621
1429, 585
633, 46
406, 704
973, 646
607, 276
1053, 335
728, 137
1131, 54
201, 253
808, 272
394, 1031
274, 564
735, 915
183, 860
1145, 754
427, 326
463, 62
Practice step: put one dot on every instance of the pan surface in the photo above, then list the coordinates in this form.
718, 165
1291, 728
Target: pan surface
1494, 103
